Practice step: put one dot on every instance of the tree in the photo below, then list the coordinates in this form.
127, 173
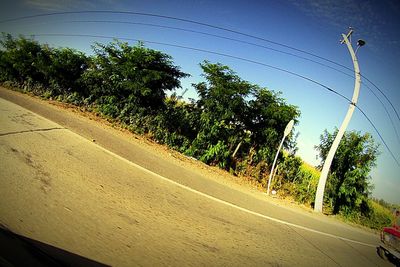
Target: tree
268, 116
348, 185
235, 111
26, 61
223, 105
66, 69
134, 76
21, 60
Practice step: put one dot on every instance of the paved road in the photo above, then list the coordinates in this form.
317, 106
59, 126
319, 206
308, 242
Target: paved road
117, 203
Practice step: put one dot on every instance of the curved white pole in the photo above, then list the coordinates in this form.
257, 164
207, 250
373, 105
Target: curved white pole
287, 131
319, 197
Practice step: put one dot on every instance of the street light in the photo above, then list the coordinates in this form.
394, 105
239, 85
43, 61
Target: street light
287, 131
319, 196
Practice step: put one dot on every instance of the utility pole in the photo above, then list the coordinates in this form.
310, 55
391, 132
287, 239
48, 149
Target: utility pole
319, 196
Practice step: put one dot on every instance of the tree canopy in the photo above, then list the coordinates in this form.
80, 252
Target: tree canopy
348, 185
27, 62
135, 74
235, 111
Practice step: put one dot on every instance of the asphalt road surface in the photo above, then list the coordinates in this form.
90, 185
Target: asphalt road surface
115, 202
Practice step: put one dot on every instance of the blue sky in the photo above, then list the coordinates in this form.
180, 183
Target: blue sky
313, 26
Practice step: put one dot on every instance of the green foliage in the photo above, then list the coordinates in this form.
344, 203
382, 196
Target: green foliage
306, 185
377, 217
348, 185
21, 60
290, 168
66, 66
296, 179
109, 106
137, 76
386, 204
39, 68
267, 117
222, 104
218, 153
181, 117
234, 111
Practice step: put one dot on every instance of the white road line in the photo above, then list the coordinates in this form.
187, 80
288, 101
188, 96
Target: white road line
228, 203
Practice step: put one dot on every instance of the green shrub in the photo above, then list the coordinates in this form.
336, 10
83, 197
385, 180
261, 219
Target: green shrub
216, 154
108, 106
306, 185
377, 217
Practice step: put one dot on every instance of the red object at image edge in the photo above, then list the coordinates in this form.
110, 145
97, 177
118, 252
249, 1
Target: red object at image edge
392, 230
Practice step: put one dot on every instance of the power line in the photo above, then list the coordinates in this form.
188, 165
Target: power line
373, 84
177, 19
202, 24
212, 35
379, 134
238, 58
204, 51
256, 45
387, 112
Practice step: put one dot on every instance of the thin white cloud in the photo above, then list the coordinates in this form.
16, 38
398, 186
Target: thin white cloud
376, 21
65, 5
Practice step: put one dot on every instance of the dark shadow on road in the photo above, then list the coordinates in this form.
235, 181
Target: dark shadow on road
17, 250
388, 257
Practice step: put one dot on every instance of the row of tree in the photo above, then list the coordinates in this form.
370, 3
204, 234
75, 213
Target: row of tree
130, 84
